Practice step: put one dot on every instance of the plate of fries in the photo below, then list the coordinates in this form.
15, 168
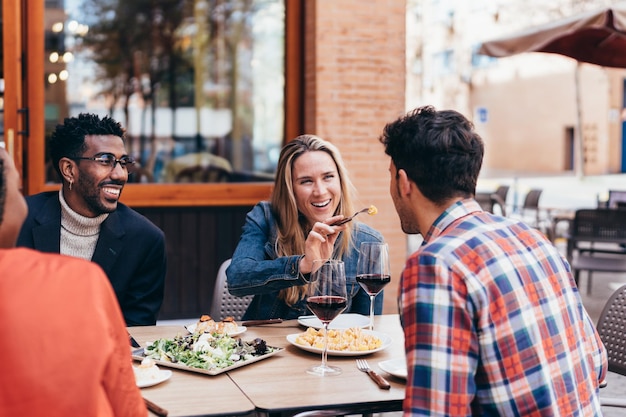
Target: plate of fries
353, 341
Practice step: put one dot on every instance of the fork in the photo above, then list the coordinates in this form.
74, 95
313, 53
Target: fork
347, 219
362, 365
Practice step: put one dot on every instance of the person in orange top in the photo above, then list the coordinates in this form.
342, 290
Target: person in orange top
62, 335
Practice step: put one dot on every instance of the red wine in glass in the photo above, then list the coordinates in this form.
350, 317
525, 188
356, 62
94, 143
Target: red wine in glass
326, 308
326, 297
373, 283
373, 271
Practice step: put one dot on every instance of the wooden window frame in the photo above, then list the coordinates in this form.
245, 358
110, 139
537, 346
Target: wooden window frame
163, 195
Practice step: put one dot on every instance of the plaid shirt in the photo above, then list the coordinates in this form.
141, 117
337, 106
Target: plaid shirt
494, 323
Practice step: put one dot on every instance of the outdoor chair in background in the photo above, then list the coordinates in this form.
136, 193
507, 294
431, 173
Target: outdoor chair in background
595, 242
530, 208
611, 330
491, 202
224, 304
503, 191
533, 215
617, 199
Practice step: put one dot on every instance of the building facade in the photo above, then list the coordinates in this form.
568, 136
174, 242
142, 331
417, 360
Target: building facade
524, 106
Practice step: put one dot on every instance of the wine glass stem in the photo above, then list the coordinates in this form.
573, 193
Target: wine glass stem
372, 311
325, 351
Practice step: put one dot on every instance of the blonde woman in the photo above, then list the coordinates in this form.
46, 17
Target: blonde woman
283, 236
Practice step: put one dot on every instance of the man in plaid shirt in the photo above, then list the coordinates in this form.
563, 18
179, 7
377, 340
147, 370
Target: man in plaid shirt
493, 322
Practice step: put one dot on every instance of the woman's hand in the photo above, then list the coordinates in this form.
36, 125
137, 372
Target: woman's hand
320, 242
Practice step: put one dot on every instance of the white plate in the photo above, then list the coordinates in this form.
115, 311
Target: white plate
395, 367
342, 321
164, 375
386, 339
240, 329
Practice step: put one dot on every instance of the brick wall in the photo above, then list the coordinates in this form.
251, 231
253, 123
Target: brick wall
354, 84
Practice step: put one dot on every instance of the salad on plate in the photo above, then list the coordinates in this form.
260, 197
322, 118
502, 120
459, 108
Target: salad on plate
212, 353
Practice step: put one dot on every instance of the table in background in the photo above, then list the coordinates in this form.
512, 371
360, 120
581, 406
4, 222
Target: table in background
280, 385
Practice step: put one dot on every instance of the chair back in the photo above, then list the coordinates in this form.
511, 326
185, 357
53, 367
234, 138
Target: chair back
531, 201
599, 225
484, 199
502, 191
617, 199
491, 202
611, 329
224, 304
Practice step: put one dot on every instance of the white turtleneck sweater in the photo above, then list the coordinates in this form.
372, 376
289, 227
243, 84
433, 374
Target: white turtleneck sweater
79, 234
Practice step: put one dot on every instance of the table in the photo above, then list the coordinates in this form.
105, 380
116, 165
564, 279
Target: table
279, 385
284, 387
188, 394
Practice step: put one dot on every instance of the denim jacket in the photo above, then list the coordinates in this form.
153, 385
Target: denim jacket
255, 269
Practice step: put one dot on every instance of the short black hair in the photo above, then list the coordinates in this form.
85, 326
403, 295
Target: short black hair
439, 150
68, 139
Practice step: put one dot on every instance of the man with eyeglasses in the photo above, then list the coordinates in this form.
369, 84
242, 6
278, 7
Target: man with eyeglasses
85, 219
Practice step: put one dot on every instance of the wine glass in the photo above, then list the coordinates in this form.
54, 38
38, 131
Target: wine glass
326, 298
372, 271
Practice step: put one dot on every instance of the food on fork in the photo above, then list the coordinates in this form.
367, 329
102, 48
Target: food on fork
371, 210
207, 325
347, 340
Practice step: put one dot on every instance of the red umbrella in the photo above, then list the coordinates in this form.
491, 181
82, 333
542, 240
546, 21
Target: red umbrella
597, 37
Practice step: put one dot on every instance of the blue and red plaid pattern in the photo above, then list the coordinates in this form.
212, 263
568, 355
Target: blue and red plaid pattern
494, 323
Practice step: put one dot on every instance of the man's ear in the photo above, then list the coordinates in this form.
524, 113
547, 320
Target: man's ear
67, 168
404, 183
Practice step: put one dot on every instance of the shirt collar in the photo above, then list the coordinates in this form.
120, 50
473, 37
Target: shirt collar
454, 212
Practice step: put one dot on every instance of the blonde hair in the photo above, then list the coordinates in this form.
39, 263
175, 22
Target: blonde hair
293, 227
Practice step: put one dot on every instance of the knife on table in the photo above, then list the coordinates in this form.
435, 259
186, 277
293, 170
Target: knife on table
159, 411
133, 342
261, 322
380, 381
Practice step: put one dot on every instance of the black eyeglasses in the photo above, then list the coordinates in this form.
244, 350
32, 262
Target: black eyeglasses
108, 160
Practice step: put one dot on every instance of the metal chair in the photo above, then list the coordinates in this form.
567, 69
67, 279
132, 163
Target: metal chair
491, 202
531, 205
611, 330
594, 242
224, 304
617, 198
502, 191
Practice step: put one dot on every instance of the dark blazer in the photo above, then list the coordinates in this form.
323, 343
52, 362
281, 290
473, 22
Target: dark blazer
130, 250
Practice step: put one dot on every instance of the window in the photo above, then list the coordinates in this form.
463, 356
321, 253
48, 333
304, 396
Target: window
199, 85
443, 62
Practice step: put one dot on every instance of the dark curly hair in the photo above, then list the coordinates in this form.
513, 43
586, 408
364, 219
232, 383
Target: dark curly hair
439, 150
68, 139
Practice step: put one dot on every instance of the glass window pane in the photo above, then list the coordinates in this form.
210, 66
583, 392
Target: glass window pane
198, 84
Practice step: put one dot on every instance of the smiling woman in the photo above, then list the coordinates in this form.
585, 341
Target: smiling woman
284, 236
